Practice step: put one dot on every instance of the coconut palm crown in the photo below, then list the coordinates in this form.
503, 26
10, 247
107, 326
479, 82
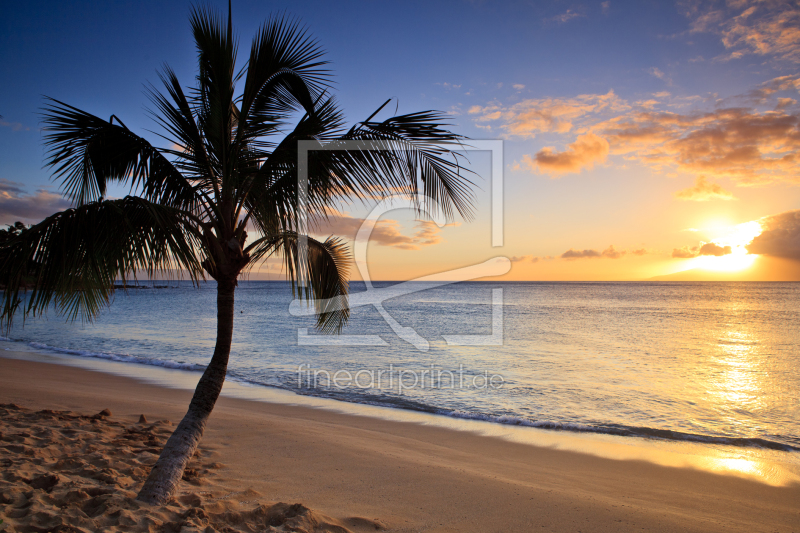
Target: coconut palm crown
221, 198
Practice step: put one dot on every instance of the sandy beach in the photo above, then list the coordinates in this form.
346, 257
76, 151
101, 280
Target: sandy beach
352, 472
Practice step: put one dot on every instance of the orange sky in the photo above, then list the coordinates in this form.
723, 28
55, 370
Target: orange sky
640, 139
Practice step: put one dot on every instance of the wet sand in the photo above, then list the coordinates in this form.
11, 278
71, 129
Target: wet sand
355, 472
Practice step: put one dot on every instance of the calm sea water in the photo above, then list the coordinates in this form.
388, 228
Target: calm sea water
716, 362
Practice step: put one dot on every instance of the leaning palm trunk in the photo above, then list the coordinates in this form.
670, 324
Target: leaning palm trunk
168, 470
222, 199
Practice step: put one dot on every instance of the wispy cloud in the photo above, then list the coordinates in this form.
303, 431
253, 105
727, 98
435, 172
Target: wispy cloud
529, 258
15, 126
750, 145
386, 232
568, 15
658, 73
17, 204
708, 248
530, 117
608, 253
768, 28
685, 252
769, 88
703, 191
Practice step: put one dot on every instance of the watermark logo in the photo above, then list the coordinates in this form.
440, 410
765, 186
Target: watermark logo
397, 380
376, 296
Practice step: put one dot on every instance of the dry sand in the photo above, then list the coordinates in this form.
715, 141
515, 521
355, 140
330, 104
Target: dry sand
69, 473
334, 471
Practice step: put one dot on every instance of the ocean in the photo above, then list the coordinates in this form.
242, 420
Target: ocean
707, 362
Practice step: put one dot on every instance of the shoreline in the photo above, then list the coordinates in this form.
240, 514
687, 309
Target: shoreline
770, 466
414, 475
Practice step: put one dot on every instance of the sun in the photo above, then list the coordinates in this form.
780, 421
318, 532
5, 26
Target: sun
737, 237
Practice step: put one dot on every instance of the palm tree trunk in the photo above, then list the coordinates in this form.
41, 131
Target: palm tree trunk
168, 470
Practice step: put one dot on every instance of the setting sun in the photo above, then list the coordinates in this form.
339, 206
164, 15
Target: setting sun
736, 260
729, 260
458, 266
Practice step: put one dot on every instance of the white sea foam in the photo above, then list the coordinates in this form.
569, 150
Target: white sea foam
630, 359
122, 358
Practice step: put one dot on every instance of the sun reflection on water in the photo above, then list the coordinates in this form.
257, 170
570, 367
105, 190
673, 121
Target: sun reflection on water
739, 384
744, 466
737, 379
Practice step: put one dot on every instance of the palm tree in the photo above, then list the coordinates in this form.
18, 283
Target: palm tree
230, 171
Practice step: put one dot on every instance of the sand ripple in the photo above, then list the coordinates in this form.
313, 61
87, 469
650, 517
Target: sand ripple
68, 473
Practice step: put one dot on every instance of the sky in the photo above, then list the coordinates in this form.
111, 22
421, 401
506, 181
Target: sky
641, 139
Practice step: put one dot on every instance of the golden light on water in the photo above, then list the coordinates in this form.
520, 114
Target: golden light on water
740, 379
744, 467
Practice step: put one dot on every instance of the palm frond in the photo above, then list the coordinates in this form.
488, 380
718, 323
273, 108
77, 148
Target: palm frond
227, 172
406, 154
216, 85
87, 153
283, 76
418, 157
322, 278
175, 115
74, 256
270, 194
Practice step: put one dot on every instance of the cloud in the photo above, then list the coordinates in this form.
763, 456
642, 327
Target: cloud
685, 252
751, 146
608, 253
580, 254
427, 234
775, 85
524, 259
708, 248
518, 86
9, 189
611, 253
488, 113
385, 233
780, 236
765, 28
16, 204
605, 7
658, 73
739, 143
587, 150
703, 191
567, 16
772, 29
648, 104
15, 126
532, 116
